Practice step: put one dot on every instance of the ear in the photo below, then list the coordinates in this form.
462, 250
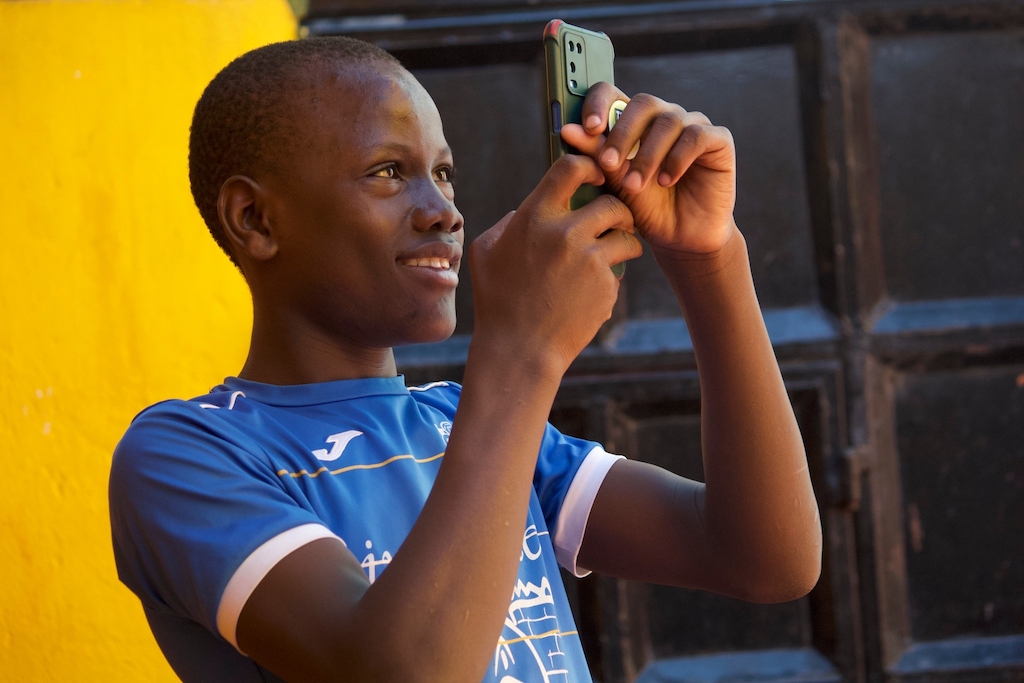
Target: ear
242, 210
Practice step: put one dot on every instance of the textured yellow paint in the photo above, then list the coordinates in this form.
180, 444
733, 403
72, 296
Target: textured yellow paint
112, 296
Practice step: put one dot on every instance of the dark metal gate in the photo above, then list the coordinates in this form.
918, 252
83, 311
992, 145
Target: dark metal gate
881, 191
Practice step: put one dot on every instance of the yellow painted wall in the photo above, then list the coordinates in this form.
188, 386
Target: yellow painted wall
112, 296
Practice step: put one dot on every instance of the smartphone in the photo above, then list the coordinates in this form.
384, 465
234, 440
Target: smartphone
575, 58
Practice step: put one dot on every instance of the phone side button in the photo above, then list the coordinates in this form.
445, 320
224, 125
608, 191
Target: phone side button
556, 117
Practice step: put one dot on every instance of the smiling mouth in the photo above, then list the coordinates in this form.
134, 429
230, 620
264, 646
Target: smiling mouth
441, 263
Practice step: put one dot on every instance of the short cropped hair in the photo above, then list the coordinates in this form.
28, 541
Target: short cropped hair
241, 122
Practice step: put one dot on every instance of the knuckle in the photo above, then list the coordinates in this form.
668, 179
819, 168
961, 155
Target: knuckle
612, 205
695, 134
595, 259
668, 121
565, 163
573, 164
646, 100
477, 253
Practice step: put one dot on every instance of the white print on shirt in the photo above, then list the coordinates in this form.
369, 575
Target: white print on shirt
370, 563
231, 405
531, 626
531, 550
339, 441
428, 386
444, 429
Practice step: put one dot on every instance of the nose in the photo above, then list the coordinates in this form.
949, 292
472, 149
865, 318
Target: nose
433, 211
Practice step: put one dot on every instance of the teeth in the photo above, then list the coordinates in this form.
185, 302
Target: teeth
427, 263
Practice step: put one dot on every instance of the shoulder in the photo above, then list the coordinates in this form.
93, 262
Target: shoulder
210, 414
177, 433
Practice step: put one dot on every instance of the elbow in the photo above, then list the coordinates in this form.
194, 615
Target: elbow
776, 587
795, 584
786, 576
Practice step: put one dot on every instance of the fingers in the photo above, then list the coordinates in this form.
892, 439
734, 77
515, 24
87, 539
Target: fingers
617, 246
713, 145
576, 136
605, 213
665, 139
671, 140
631, 127
565, 177
599, 100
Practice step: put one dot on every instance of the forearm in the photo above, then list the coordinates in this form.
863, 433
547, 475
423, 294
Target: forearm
442, 599
759, 509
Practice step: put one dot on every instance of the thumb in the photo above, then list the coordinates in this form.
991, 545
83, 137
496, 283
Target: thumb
574, 135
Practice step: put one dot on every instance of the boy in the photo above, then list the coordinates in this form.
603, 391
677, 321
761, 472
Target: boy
314, 519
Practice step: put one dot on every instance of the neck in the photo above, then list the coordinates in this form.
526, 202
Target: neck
293, 351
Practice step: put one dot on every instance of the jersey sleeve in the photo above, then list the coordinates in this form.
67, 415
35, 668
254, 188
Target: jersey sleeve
568, 475
194, 506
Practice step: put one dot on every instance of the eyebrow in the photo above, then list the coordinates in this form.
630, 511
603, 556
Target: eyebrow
401, 148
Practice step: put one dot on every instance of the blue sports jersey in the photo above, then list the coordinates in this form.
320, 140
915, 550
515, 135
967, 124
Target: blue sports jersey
206, 495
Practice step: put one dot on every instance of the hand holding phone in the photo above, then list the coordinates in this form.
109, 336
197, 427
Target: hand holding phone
575, 58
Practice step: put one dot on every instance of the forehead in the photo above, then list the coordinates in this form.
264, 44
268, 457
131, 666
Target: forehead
357, 108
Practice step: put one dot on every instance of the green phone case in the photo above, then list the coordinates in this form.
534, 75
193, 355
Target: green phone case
574, 58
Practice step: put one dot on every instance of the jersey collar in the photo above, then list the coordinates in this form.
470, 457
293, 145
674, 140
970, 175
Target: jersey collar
313, 394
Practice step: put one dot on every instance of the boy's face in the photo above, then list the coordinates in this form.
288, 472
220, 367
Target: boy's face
369, 239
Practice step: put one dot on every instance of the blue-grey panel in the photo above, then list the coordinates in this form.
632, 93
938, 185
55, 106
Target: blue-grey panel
800, 324
963, 653
801, 665
951, 314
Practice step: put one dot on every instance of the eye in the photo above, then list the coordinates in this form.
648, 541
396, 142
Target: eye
389, 171
444, 174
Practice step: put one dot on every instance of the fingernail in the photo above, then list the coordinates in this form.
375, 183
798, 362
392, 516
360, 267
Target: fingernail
593, 121
633, 181
610, 157
664, 180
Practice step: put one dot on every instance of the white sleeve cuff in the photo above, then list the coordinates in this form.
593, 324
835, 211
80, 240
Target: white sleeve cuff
252, 570
572, 518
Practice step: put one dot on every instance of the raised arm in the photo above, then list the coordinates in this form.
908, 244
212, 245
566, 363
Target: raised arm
752, 529
542, 288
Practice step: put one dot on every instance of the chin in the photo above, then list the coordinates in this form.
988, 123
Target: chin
431, 331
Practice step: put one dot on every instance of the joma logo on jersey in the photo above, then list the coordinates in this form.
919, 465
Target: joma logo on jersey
338, 443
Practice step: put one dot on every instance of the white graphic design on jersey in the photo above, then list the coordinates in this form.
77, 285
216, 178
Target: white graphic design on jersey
231, 405
531, 625
370, 563
339, 442
444, 429
425, 387
531, 550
